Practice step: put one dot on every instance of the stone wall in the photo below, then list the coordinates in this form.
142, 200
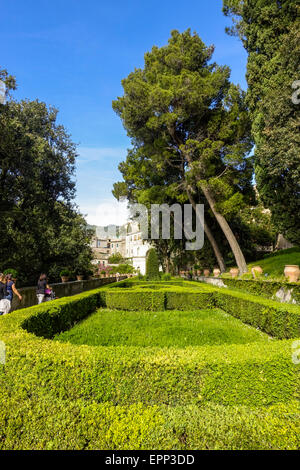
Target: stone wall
61, 290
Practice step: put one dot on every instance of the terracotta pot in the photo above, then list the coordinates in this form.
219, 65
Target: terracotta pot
79, 277
256, 271
198, 272
206, 272
64, 278
217, 272
292, 272
234, 272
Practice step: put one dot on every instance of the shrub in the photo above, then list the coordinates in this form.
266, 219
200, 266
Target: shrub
135, 300
56, 395
277, 319
65, 272
116, 258
152, 265
179, 299
264, 288
11, 271
123, 269
166, 277
80, 425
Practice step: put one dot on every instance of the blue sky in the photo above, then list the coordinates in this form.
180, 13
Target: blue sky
73, 54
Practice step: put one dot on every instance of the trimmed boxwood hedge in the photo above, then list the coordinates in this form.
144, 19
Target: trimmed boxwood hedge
277, 319
76, 425
57, 395
266, 289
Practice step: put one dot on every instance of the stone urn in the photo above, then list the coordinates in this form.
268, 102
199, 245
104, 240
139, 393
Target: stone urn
217, 272
79, 277
198, 272
292, 272
64, 278
206, 272
256, 271
234, 272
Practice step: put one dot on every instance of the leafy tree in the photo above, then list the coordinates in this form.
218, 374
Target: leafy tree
183, 114
40, 227
152, 265
123, 268
116, 258
270, 32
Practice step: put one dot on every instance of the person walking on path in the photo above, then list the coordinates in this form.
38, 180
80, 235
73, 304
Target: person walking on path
11, 288
43, 290
4, 303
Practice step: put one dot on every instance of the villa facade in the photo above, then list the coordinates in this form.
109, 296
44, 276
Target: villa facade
128, 243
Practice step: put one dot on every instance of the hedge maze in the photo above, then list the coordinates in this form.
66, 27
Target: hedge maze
236, 387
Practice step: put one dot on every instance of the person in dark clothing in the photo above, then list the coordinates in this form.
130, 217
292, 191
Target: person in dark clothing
11, 288
4, 303
3, 291
42, 285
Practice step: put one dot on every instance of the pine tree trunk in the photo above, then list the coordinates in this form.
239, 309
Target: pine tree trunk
215, 247
211, 238
237, 252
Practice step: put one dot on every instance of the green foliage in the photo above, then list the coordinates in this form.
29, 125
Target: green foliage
166, 277
65, 272
152, 265
40, 227
115, 258
123, 269
13, 272
277, 319
190, 133
273, 265
270, 34
66, 396
264, 288
77, 425
134, 300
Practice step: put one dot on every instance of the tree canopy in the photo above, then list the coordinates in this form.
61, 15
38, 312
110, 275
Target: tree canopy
190, 132
41, 229
270, 31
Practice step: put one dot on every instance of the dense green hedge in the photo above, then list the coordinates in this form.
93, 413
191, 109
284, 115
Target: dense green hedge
75, 425
152, 265
267, 289
57, 395
277, 319
52, 317
135, 300
126, 375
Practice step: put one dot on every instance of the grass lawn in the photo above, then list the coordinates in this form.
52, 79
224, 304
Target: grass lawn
161, 329
274, 264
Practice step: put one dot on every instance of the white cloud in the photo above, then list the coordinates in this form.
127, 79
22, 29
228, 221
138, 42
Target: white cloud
108, 212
